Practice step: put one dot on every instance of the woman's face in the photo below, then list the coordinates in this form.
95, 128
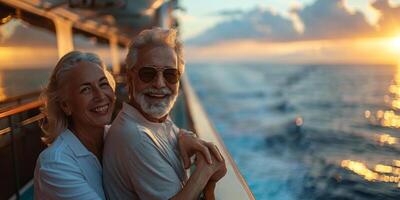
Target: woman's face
89, 96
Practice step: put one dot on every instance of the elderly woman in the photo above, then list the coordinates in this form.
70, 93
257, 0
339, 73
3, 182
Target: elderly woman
79, 101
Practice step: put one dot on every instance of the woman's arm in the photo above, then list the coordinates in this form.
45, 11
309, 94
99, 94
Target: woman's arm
189, 145
200, 179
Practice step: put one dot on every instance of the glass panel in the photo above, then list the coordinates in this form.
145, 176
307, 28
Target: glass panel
27, 55
101, 47
86, 43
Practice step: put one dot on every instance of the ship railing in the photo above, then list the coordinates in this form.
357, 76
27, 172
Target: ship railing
20, 145
232, 186
15, 101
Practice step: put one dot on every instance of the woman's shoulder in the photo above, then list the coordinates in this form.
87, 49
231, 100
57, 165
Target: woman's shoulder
57, 152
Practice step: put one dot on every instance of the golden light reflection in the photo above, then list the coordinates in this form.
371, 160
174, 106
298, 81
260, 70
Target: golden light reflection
394, 89
367, 114
379, 114
2, 92
396, 170
396, 163
385, 118
396, 104
387, 139
386, 98
5, 19
383, 168
380, 172
27, 57
388, 118
360, 169
299, 121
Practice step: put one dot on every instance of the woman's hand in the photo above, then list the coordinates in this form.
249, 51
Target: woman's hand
189, 145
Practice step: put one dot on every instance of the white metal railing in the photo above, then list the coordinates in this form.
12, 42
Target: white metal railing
232, 186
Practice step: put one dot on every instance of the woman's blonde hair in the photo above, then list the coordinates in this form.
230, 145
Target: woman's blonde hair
56, 120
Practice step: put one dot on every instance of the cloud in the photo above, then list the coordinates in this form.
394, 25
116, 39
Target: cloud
15, 33
326, 19
389, 22
257, 24
323, 19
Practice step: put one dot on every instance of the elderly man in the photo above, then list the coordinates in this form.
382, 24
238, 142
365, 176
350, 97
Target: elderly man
141, 158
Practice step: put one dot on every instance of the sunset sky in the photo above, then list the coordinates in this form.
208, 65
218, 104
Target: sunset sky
292, 31
270, 31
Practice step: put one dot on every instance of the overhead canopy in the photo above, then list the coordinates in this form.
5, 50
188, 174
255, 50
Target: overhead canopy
124, 18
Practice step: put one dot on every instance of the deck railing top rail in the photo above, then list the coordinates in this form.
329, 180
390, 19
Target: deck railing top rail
20, 97
21, 108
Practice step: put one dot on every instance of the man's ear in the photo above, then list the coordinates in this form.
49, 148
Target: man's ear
66, 108
129, 77
129, 74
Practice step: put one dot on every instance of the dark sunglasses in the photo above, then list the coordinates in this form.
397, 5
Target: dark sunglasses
147, 74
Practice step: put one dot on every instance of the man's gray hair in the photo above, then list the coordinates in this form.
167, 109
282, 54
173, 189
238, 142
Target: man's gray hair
157, 37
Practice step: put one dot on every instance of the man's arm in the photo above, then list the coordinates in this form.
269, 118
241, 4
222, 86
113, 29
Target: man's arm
195, 185
212, 182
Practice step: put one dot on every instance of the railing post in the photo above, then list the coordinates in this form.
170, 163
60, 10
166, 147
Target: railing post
14, 155
64, 34
116, 67
164, 10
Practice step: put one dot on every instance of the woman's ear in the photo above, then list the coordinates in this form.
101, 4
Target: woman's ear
66, 108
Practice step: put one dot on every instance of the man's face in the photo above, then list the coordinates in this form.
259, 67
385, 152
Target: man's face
153, 89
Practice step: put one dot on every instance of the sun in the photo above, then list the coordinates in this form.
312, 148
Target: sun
395, 43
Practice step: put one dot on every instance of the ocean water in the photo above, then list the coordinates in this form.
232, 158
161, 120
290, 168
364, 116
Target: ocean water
14, 82
307, 131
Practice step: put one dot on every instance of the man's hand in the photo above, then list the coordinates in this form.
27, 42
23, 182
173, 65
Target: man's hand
217, 170
189, 145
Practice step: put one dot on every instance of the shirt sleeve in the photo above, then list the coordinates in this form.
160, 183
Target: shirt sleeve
63, 181
151, 176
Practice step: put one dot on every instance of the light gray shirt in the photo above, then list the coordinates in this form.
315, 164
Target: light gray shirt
141, 158
67, 170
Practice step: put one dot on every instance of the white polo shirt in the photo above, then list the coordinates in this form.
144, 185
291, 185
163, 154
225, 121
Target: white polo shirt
141, 158
67, 170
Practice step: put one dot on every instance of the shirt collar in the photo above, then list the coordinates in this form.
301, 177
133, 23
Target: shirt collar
74, 143
134, 113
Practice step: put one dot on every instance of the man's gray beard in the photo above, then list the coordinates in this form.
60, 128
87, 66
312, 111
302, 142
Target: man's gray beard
159, 109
